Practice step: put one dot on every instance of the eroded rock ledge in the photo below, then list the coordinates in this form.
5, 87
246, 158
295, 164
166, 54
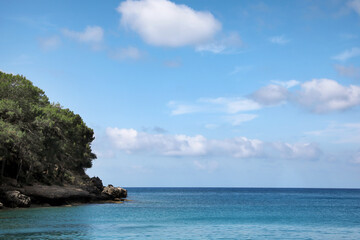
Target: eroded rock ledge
13, 195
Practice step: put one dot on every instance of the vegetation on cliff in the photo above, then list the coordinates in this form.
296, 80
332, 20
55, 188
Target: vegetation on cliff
40, 141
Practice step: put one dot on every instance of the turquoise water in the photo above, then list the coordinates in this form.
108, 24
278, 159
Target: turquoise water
197, 213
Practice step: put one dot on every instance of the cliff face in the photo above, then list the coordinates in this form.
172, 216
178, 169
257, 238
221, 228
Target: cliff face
23, 196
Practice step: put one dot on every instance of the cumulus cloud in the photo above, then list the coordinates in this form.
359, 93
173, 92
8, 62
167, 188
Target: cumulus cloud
132, 141
281, 40
355, 5
91, 34
348, 71
164, 23
317, 95
325, 95
49, 43
347, 54
130, 52
271, 95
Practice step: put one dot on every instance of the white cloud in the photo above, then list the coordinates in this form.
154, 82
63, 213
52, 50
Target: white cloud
287, 84
91, 34
180, 109
355, 5
340, 133
49, 43
214, 105
271, 95
281, 40
227, 44
126, 53
348, 71
164, 23
354, 52
211, 47
238, 119
317, 95
232, 105
298, 150
132, 141
325, 95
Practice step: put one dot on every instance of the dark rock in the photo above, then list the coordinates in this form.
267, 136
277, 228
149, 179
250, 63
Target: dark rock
57, 195
9, 182
94, 185
16, 199
124, 192
115, 192
91, 190
96, 181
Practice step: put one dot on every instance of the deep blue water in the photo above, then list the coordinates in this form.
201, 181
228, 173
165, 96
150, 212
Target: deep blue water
197, 213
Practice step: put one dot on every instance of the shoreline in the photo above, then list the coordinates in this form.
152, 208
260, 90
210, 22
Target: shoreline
74, 204
17, 196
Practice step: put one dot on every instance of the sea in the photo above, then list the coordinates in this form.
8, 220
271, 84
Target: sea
197, 213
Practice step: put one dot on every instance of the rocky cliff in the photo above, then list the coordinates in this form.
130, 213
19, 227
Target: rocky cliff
14, 195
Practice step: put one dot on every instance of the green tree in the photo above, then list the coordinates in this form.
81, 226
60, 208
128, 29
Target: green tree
40, 141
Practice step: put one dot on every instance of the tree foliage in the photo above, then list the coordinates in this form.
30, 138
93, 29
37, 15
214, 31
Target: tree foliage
40, 141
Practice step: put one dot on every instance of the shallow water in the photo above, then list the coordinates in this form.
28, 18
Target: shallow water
197, 213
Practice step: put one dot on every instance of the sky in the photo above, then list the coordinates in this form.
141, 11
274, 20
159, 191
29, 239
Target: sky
200, 93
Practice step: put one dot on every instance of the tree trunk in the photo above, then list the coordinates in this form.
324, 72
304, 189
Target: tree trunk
2, 168
18, 173
28, 173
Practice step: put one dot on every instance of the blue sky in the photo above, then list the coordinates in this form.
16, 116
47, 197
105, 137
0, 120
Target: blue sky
200, 93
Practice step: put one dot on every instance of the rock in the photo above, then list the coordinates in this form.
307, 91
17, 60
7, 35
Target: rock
97, 183
124, 192
115, 192
94, 186
16, 199
57, 195
9, 182
91, 190
1, 205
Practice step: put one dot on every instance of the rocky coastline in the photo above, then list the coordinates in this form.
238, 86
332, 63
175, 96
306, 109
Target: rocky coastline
14, 195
